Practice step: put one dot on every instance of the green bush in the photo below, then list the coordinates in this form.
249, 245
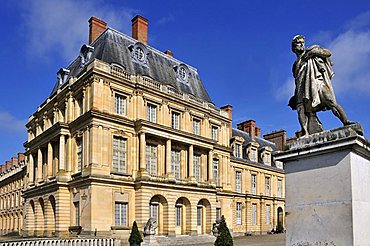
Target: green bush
224, 237
135, 236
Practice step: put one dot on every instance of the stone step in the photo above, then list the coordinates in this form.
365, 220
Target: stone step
184, 240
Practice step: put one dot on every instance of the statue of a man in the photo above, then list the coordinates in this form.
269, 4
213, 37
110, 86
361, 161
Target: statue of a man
313, 71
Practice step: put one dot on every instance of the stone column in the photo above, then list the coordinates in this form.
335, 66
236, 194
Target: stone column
50, 161
62, 165
210, 163
191, 163
39, 166
31, 166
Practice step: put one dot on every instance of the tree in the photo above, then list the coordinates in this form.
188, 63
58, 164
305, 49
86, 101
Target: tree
135, 236
224, 237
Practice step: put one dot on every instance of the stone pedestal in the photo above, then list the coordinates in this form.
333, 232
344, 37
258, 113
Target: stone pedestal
328, 189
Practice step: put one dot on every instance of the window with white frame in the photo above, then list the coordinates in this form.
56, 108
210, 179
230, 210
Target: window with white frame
77, 213
119, 154
196, 161
120, 213
254, 184
196, 126
79, 154
214, 133
238, 213
120, 104
199, 215
175, 163
254, 214
267, 186
215, 171
218, 213
254, 154
238, 181
178, 215
268, 214
280, 188
151, 159
154, 211
151, 113
237, 151
175, 120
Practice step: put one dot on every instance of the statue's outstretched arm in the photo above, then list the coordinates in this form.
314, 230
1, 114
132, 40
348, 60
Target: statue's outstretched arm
315, 51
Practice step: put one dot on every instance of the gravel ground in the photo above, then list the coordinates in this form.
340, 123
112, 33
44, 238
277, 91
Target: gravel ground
261, 240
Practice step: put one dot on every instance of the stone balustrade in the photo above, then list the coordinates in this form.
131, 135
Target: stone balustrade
64, 242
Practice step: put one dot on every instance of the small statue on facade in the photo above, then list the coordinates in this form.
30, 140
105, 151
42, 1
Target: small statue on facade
150, 227
313, 71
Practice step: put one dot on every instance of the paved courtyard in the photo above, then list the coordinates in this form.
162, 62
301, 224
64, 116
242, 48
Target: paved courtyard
262, 240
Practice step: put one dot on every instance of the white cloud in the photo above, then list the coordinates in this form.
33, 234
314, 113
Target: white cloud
62, 26
10, 123
285, 91
166, 19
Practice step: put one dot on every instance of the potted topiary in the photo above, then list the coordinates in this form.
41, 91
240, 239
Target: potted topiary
224, 237
135, 236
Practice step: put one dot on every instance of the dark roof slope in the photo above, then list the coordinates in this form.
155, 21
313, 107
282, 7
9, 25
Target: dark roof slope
113, 47
262, 142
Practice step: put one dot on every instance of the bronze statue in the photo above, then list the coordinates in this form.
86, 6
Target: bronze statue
313, 71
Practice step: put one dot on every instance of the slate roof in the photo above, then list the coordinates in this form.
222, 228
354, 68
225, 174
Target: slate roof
113, 47
262, 142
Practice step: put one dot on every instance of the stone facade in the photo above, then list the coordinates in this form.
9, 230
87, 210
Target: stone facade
110, 147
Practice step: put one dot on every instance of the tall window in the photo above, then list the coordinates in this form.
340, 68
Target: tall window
196, 126
120, 213
254, 214
215, 171
254, 184
237, 151
254, 154
80, 106
119, 154
154, 211
268, 212
238, 181
280, 188
175, 163
151, 159
120, 104
79, 154
218, 213
199, 216
175, 120
238, 213
214, 133
267, 186
196, 160
178, 215
77, 213
151, 113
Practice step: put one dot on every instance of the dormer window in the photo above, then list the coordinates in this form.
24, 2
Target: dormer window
252, 151
237, 144
182, 73
139, 53
85, 54
62, 75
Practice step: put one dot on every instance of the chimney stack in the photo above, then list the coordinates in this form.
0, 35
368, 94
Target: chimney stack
21, 157
169, 53
140, 29
8, 165
248, 126
3, 168
258, 131
229, 110
14, 161
278, 138
97, 27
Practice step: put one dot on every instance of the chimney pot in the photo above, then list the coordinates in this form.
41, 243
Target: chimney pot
277, 137
249, 127
169, 53
14, 161
97, 27
140, 29
21, 157
8, 165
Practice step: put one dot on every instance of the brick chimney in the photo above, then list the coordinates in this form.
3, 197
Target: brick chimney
229, 110
140, 29
8, 164
248, 126
14, 161
258, 131
169, 53
3, 168
97, 27
21, 157
278, 138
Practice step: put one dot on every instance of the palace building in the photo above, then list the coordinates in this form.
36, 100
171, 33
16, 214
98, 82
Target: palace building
129, 133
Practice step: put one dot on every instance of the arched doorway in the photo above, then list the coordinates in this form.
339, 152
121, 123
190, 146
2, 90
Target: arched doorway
40, 217
280, 220
158, 210
182, 216
31, 220
204, 216
51, 215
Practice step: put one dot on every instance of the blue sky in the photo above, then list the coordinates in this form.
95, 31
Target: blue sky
240, 48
